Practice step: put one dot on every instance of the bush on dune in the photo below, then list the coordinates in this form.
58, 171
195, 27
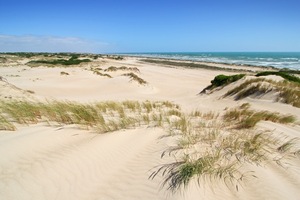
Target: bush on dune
287, 75
222, 80
71, 61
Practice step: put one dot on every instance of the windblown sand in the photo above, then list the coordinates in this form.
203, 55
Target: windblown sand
64, 162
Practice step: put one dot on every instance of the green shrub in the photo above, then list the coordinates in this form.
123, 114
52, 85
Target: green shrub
284, 74
222, 80
72, 61
225, 80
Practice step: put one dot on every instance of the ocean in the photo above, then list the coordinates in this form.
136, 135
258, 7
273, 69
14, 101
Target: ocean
290, 60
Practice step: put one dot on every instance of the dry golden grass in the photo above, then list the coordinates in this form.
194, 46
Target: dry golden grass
288, 92
136, 78
209, 149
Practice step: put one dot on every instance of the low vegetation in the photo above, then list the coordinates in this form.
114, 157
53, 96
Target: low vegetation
6, 125
74, 60
222, 80
209, 149
97, 72
2, 78
123, 68
103, 116
136, 78
245, 118
287, 92
64, 73
193, 65
216, 151
287, 75
114, 57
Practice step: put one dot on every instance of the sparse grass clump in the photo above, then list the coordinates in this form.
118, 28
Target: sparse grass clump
30, 91
214, 151
288, 92
64, 73
123, 68
136, 78
101, 74
244, 118
111, 69
6, 125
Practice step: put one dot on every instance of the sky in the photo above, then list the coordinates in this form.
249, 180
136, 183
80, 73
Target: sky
123, 26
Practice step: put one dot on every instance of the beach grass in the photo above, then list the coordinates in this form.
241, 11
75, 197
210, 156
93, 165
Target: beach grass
287, 92
135, 78
245, 118
6, 125
97, 72
211, 147
215, 149
110, 115
64, 73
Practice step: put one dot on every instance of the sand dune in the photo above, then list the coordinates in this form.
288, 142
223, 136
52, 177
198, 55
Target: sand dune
43, 161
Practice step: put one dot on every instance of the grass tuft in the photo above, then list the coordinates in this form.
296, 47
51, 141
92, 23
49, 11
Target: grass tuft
288, 92
64, 73
6, 125
136, 78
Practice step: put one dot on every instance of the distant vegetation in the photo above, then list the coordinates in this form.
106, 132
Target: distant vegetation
123, 68
115, 57
72, 61
24, 54
192, 65
58, 55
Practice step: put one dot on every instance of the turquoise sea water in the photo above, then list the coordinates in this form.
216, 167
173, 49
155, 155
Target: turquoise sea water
289, 60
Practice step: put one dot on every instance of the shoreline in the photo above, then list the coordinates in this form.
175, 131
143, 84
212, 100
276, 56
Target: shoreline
204, 62
269, 61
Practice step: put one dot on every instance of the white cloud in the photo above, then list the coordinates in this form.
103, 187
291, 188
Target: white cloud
32, 43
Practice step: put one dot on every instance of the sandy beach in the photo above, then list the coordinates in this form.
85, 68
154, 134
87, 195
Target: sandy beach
46, 159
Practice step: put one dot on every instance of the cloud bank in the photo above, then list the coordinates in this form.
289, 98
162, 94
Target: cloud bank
32, 43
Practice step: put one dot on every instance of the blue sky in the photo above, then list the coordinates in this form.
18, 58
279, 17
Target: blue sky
149, 26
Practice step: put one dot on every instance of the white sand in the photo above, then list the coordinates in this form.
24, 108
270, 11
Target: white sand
44, 162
